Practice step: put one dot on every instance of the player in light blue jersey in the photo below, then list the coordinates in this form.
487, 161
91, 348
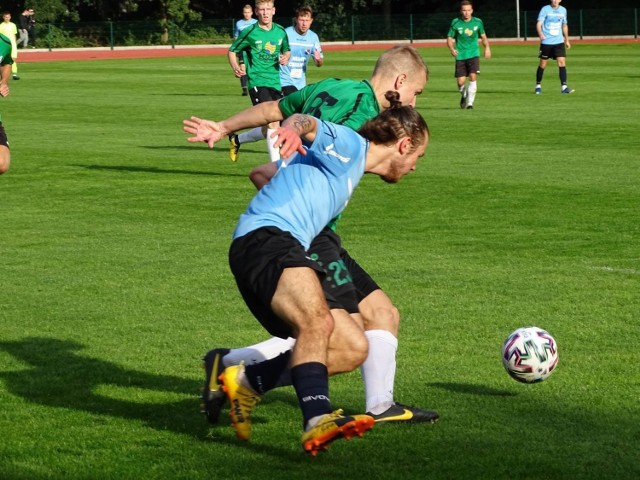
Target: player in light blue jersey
246, 20
305, 45
311, 187
553, 30
282, 285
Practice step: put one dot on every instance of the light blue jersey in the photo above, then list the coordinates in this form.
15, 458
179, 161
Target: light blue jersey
302, 48
304, 196
241, 25
552, 20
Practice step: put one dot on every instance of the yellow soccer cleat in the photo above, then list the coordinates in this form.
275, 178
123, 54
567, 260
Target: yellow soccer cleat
241, 400
333, 426
234, 147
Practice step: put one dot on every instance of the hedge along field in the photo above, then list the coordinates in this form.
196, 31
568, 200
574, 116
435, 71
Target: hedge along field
114, 278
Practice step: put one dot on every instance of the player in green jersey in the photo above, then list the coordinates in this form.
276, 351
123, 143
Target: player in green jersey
350, 102
264, 47
462, 41
5, 73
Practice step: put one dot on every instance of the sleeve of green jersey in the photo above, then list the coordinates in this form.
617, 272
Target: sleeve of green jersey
292, 103
452, 30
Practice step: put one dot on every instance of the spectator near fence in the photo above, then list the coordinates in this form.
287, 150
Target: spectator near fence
27, 28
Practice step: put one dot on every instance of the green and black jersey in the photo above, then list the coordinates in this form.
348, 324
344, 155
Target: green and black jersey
5, 51
346, 102
466, 35
261, 50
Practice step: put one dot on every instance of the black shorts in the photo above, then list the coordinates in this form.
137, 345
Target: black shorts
257, 260
3, 136
464, 68
346, 280
361, 279
338, 285
264, 94
288, 90
552, 51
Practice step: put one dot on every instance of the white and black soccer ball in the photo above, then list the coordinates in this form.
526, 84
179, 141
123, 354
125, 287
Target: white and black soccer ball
530, 354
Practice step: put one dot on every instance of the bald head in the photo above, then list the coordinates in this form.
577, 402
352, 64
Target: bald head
401, 68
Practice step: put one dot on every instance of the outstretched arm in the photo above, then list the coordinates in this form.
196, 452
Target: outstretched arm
212, 132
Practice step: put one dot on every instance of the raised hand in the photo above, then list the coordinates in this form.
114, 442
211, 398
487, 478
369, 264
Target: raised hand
203, 130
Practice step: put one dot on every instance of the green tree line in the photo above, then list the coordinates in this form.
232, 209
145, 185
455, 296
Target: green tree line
53, 11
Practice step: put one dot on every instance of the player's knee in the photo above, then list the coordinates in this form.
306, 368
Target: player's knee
354, 352
383, 318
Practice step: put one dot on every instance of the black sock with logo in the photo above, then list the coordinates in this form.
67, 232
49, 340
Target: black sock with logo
311, 381
264, 376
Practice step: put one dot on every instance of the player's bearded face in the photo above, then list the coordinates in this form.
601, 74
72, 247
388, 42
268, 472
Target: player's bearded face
401, 166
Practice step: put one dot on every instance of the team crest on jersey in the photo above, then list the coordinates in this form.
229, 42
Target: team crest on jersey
468, 32
270, 47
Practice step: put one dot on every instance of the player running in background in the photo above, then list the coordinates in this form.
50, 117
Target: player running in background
305, 45
350, 103
462, 41
246, 20
553, 30
264, 47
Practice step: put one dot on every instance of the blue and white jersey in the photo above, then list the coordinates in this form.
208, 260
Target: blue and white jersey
303, 196
241, 25
302, 47
552, 20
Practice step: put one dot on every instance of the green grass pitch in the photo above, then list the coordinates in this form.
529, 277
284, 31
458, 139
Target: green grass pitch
114, 279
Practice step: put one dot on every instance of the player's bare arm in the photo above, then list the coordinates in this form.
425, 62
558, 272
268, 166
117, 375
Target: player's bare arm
212, 132
284, 58
238, 70
292, 129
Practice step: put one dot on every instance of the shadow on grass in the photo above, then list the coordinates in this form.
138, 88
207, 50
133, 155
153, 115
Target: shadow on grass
133, 168
60, 377
245, 150
472, 389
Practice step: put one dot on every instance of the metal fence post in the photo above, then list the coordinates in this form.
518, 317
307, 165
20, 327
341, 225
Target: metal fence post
411, 28
353, 30
111, 37
525, 25
635, 23
580, 24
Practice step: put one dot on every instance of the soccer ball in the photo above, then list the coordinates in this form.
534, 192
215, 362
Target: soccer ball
530, 354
